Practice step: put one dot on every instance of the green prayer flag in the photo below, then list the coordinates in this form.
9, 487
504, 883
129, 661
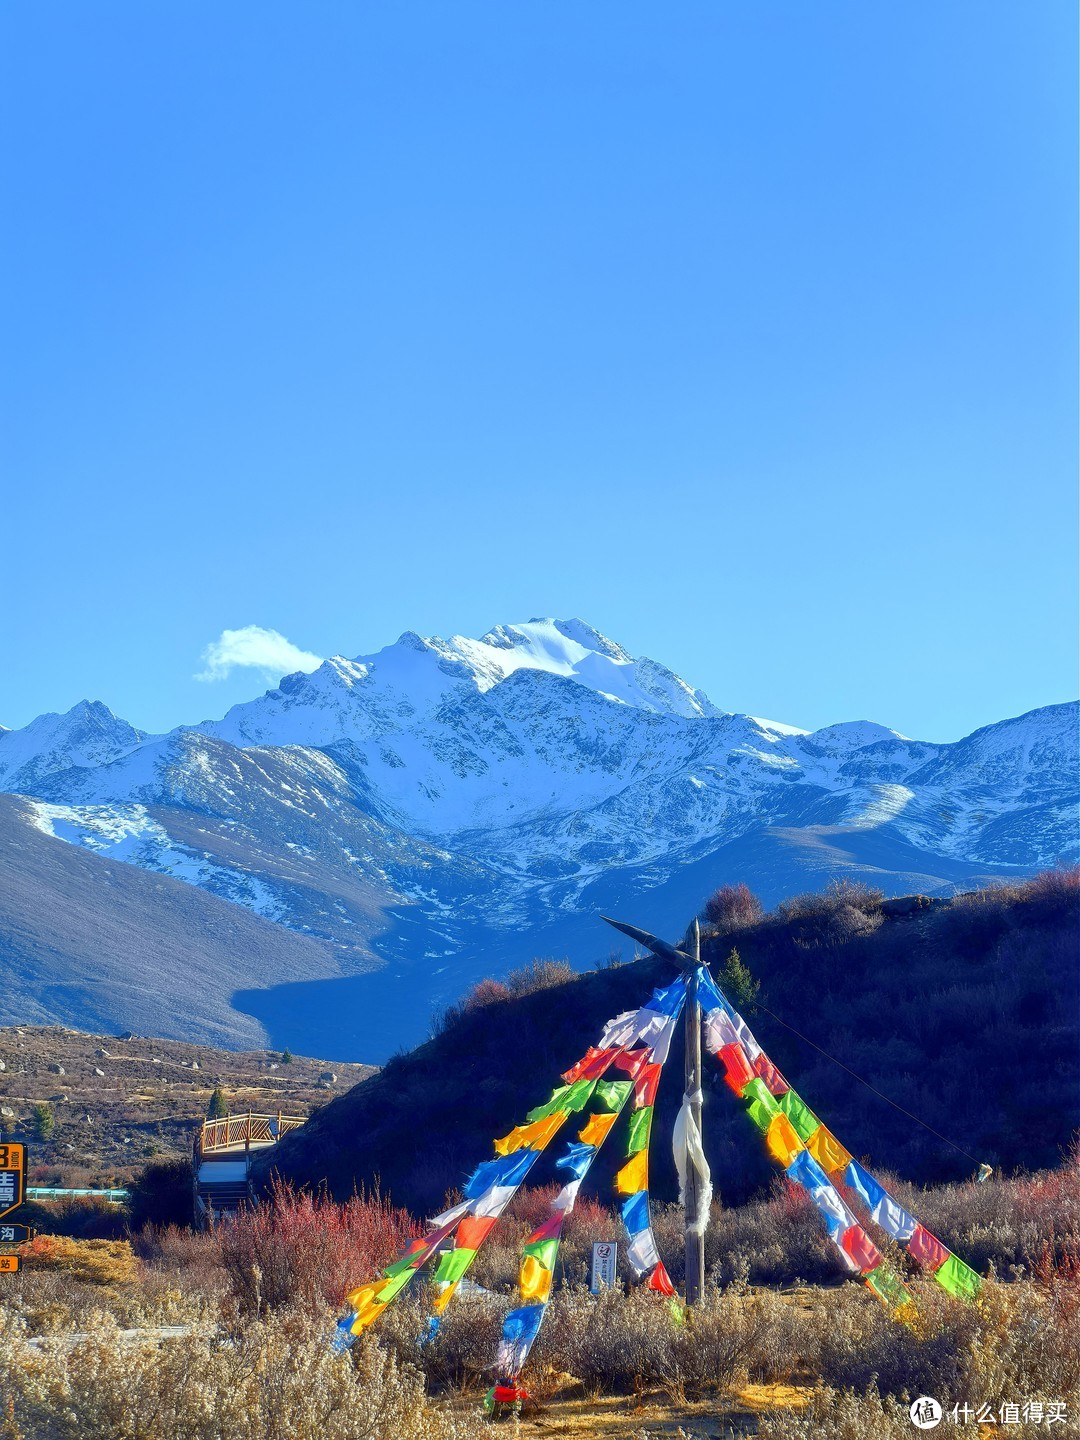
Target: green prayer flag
453, 1264
763, 1104
544, 1251
393, 1285
612, 1093
403, 1263
884, 1283
566, 1097
640, 1126
803, 1120
549, 1107
958, 1279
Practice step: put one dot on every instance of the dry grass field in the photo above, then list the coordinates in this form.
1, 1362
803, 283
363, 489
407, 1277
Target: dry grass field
225, 1335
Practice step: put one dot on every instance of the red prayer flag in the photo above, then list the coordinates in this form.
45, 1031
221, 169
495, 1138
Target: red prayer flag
767, 1071
473, 1230
645, 1083
927, 1249
631, 1062
413, 1248
593, 1063
551, 1229
861, 1248
737, 1071
660, 1281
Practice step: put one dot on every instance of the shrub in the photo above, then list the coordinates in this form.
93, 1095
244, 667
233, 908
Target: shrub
840, 1415
732, 907
43, 1120
94, 1262
278, 1378
737, 983
161, 1194
302, 1249
539, 975
844, 911
485, 992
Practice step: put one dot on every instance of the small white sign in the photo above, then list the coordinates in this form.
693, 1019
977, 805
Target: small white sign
605, 1254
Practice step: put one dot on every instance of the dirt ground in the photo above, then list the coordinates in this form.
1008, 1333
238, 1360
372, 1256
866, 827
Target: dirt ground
655, 1416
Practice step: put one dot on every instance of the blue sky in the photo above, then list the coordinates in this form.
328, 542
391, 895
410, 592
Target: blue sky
744, 330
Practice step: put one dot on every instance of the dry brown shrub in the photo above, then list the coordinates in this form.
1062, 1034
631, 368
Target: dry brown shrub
846, 910
278, 1380
485, 992
94, 1262
732, 907
840, 1415
539, 974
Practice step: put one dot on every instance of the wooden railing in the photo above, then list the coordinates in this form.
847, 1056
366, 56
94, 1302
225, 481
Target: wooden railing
240, 1132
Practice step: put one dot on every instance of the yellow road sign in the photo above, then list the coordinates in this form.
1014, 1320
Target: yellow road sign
12, 1177
8, 1264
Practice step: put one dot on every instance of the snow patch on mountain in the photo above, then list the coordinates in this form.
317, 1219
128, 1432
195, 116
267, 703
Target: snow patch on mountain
129, 833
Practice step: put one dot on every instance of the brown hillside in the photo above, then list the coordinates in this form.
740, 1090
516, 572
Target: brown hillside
119, 1102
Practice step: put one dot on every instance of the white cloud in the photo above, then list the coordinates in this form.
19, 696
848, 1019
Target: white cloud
259, 649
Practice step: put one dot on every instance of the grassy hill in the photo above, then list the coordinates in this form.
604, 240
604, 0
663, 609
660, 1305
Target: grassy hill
964, 1012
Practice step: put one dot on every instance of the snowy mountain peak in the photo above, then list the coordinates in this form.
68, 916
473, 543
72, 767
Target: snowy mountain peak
855, 735
576, 651
88, 735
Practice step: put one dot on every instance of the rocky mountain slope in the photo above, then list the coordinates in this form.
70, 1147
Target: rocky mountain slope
445, 809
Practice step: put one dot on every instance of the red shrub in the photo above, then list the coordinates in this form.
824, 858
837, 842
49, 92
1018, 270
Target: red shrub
531, 1207
485, 992
299, 1247
732, 907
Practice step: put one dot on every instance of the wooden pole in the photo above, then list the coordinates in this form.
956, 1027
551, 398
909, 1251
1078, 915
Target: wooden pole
695, 1244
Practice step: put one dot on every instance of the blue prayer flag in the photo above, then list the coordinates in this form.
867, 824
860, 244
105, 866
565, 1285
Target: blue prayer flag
505, 1170
523, 1324
864, 1184
667, 999
635, 1212
577, 1159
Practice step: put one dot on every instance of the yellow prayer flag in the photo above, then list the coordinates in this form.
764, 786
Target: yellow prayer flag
827, 1151
535, 1281
634, 1175
367, 1308
445, 1295
358, 1298
535, 1136
595, 1132
782, 1139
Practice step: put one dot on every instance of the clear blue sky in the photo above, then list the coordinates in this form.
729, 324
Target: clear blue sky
744, 330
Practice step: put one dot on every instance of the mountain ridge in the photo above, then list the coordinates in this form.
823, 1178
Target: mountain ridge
485, 796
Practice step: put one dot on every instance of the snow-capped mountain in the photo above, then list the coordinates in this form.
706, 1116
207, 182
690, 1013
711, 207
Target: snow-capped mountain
89, 735
446, 807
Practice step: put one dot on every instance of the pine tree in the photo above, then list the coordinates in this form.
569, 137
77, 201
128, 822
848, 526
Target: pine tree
217, 1108
44, 1120
286, 1056
738, 984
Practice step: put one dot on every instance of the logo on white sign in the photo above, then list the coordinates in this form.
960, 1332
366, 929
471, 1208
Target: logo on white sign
605, 1254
